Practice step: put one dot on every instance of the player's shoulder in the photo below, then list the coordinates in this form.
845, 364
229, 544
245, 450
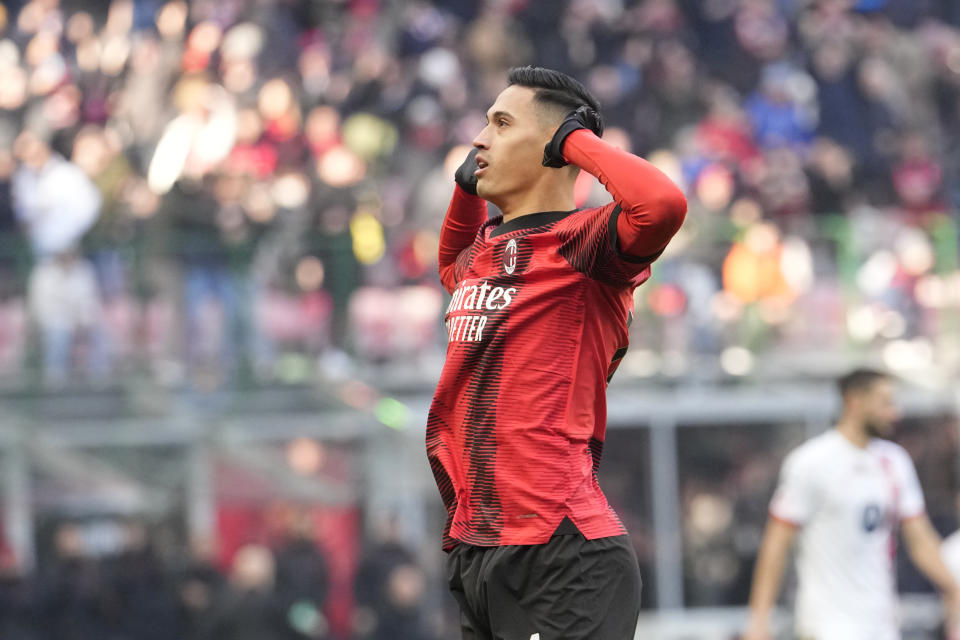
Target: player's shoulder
815, 449
888, 447
587, 217
890, 450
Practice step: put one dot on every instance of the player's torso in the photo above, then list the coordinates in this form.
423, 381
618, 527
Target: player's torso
526, 324
520, 403
845, 560
858, 504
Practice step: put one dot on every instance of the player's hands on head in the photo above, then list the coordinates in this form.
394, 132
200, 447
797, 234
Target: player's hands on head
464, 175
583, 117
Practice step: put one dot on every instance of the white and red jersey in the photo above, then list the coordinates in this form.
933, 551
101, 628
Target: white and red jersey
848, 502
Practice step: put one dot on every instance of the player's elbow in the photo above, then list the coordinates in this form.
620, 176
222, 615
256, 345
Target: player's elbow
445, 261
661, 218
447, 278
648, 226
671, 206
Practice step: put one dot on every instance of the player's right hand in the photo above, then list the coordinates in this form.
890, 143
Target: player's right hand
464, 175
757, 631
582, 117
951, 606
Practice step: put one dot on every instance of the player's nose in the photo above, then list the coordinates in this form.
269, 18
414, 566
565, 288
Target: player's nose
482, 141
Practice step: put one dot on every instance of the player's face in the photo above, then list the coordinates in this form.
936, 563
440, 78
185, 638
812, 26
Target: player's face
879, 409
511, 145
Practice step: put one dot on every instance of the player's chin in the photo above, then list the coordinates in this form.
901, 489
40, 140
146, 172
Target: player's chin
880, 429
484, 188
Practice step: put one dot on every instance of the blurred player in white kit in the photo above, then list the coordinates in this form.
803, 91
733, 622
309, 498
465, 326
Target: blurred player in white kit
842, 495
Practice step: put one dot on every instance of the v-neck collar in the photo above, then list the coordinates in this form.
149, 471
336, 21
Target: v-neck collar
528, 221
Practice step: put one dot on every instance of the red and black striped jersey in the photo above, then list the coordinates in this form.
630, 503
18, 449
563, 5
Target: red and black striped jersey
537, 324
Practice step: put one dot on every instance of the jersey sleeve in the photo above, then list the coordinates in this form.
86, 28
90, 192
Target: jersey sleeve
588, 241
650, 207
910, 502
465, 215
796, 497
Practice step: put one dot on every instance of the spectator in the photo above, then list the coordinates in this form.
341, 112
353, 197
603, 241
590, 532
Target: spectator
64, 302
249, 609
303, 577
841, 106
777, 117
54, 201
199, 242
199, 588
371, 586
402, 615
71, 591
139, 598
918, 177
830, 174
97, 152
56, 204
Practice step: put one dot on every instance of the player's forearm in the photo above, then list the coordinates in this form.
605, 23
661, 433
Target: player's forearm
465, 215
923, 545
768, 573
653, 207
766, 585
932, 566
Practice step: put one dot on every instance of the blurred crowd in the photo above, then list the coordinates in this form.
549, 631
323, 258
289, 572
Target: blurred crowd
209, 191
114, 581
214, 192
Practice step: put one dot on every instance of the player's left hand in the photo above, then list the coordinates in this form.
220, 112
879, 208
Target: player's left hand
583, 117
464, 175
951, 611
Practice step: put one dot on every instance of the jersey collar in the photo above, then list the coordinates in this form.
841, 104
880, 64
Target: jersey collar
529, 221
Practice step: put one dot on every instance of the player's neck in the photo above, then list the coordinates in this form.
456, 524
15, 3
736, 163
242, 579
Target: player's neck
537, 200
853, 432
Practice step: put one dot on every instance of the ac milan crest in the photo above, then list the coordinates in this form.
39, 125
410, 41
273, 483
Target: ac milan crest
510, 257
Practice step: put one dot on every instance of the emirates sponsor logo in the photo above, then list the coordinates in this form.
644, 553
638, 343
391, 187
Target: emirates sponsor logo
510, 257
464, 324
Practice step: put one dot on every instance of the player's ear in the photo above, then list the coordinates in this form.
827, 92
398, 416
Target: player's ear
855, 401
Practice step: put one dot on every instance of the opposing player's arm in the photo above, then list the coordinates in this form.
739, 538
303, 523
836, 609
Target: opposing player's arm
767, 576
795, 501
922, 540
465, 215
923, 545
652, 207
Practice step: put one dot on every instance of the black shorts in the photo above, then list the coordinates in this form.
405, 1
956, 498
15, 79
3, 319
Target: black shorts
570, 588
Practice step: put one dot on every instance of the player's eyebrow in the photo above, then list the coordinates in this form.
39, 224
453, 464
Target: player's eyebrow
499, 114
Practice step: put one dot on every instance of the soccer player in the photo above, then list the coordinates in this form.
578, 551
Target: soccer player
542, 298
843, 493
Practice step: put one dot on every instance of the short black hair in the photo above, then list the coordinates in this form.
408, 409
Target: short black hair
553, 88
859, 380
